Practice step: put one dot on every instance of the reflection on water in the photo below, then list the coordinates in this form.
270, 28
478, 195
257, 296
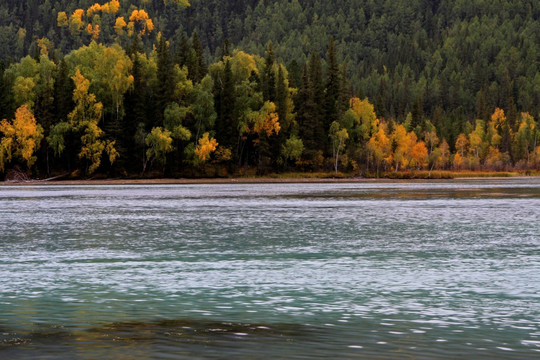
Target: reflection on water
364, 270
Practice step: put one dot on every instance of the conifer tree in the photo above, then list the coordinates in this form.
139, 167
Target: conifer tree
268, 75
332, 87
316, 92
224, 100
183, 51
165, 78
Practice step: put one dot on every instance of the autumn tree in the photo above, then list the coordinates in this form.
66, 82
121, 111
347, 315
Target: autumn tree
205, 147
84, 120
525, 139
379, 148
339, 136
159, 142
140, 21
20, 138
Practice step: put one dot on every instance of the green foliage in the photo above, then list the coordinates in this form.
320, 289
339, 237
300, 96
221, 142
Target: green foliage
397, 85
292, 149
159, 143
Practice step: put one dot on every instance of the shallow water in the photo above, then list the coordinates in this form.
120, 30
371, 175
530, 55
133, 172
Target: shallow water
363, 270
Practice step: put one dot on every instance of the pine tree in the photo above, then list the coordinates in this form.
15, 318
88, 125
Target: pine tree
332, 87
6, 101
317, 114
224, 99
183, 51
344, 92
135, 103
268, 75
306, 110
165, 85
63, 92
225, 49
198, 68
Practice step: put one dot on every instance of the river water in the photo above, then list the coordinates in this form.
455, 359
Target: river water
443, 269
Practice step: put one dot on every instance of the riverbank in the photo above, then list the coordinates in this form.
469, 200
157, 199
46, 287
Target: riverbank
283, 178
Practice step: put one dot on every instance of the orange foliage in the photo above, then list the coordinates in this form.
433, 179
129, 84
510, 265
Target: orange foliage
498, 118
462, 143
20, 138
205, 147
76, 22
112, 7
93, 30
269, 126
141, 17
458, 161
419, 154
93, 9
119, 25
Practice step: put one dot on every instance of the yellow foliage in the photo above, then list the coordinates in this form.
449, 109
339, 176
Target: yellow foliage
242, 65
462, 143
81, 87
141, 17
119, 25
365, 116
76, 22
458, 161
419, 154
225, 154
130, 28
62, 19
149, 25
23, 90
138, 15
92, 146
44, 44
20, 138
270, 125
494, 159
112, 7
93, 30
205, 147
379, 146
182, 3
93, 10
498, 118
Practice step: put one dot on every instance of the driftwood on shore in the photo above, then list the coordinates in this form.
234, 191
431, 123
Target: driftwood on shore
15, 176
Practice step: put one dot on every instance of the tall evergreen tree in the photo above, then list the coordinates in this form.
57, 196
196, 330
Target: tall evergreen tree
225, 49
6, 100
165, 79
183, 51
316, 92
196, 64
268, 75
136, 118
332, 87
224, 100
63, 92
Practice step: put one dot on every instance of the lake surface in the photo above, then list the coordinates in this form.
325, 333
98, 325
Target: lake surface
443, 269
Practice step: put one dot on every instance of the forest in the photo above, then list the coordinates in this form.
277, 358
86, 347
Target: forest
221, 88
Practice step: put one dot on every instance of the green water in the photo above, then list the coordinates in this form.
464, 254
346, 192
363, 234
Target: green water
446, 269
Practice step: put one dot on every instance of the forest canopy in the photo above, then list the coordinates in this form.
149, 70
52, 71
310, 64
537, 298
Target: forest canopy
192, 88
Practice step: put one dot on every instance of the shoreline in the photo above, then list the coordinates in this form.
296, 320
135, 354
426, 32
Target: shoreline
256, 180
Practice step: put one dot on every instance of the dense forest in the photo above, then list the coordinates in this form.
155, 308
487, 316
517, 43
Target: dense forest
215, 88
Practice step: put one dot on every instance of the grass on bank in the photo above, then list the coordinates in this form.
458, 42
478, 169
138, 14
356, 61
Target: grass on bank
405, 175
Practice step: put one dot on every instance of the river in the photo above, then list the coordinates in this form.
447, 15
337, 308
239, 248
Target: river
442, 269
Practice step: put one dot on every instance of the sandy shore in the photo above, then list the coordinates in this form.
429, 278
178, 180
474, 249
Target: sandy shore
259, 180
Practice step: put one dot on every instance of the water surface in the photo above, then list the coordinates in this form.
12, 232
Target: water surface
363, 270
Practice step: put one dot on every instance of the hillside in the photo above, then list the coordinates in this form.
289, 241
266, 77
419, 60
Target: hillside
450, 63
